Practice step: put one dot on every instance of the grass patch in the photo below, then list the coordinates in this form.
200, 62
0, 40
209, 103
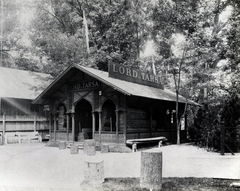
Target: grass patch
168, 184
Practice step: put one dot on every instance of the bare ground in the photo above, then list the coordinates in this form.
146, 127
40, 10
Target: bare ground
185, 167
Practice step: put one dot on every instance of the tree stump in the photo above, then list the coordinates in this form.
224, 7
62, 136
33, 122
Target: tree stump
74, 149
62, 145
80, 137
89, 147
104, 148
151, 169
93, 171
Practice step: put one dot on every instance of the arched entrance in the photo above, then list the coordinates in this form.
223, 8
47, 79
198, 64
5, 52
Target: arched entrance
109, 116
83, 120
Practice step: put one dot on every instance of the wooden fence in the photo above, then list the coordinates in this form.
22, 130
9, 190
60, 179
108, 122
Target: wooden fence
21, 123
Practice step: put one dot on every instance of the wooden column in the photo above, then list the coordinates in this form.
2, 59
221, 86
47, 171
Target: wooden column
50, 124
125, 119
67, 134
54, 126
117, 126
93, 124
4, 123
100, 125
73, 126
35, 122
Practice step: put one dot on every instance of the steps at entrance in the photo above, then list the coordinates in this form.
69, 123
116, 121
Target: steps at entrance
80, 144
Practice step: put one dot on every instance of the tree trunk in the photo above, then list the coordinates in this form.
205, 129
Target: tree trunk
151, 169
177, 121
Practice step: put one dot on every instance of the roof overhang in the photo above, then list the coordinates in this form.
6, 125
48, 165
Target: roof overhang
124, 87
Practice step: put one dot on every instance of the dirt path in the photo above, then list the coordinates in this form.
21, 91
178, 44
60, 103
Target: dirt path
36, 166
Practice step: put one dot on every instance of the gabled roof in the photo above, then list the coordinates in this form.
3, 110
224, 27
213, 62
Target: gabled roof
21, 84
125, 87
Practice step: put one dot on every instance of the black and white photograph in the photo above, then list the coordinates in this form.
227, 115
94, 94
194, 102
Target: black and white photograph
119, 95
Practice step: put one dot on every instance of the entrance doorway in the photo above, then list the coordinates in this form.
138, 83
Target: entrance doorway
83, 120
109, 116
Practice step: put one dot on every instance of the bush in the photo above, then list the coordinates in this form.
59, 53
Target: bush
206, 129
231, 118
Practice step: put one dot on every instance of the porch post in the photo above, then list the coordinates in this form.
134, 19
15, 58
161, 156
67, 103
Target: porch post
4, 123
35, 122
117, 134
55, 126
125, 125
100, 125
73, 127
67, 134
50, 124
93, 124
125, 119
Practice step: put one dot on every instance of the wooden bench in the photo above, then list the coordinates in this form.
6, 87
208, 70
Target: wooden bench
19, 136
29, 136
134, 142
10, 136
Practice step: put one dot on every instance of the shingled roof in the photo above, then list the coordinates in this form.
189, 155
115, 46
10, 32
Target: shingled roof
125, 87
22, 84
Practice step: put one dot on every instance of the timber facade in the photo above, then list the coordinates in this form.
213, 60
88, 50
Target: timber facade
86, 103
17, 113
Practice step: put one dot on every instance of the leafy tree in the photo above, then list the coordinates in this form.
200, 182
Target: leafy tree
192, 63
9, 23
117, 31
16, 51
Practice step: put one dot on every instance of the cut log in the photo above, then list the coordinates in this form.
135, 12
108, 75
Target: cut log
93, 171
104, 148
80, 137
89, 147
74, 149
151, 169
62, 145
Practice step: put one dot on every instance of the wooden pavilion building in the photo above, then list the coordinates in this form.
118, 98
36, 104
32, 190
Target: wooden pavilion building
111, 107
18, 88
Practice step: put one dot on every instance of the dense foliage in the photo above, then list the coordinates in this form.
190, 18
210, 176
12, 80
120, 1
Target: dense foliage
196, 48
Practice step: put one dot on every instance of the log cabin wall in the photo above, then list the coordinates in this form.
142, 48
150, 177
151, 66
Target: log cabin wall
152, 118
21, 115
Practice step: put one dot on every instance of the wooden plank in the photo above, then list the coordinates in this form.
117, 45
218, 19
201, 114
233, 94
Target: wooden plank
154, 139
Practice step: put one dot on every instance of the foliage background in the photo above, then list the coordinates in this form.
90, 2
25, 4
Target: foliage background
195, 48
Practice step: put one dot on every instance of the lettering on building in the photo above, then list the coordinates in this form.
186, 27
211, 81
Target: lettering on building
134, 75
84, 85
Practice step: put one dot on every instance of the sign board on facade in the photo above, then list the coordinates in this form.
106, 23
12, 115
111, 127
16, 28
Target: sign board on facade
134, 75
84, 85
